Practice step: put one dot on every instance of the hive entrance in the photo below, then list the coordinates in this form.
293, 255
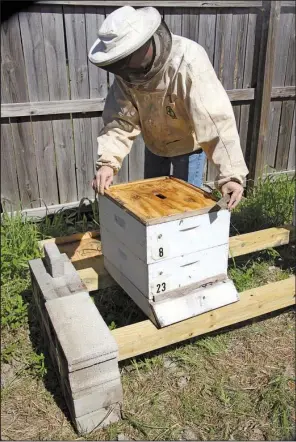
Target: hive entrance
160, 195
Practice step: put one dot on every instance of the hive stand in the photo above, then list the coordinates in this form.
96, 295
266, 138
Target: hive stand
86, 354
81, 347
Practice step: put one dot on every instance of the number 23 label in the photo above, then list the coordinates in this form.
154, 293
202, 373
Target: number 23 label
161, 287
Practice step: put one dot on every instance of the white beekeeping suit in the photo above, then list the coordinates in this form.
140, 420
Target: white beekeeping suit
179, 105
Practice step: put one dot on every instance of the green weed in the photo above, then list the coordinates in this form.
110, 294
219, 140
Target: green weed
19, 243
69, 221
214, 345
13, 309
257, 271
269, 204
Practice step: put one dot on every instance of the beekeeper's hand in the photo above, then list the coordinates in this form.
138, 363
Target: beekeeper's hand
103, 179
235, 190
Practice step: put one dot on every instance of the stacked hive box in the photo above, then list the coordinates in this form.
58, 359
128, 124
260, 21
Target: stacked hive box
79, 342
162, 236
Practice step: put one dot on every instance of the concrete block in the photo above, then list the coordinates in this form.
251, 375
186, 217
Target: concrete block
98, 419
54, 260
42, 279
72, 278
101, 397
94, 375
81, 331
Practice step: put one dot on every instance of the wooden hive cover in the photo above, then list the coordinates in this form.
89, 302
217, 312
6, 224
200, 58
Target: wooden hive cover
157, 200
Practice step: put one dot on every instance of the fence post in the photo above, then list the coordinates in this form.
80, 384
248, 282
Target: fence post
263, 90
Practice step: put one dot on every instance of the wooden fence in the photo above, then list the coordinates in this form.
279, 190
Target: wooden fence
52, 97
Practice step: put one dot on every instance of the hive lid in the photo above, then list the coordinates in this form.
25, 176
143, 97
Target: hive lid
158, 200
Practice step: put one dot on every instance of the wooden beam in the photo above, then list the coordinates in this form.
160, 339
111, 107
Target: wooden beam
144, 337
80, 106
289, 3
241, 94
159, 3
263, 90
52, 107
10, 110
283, 92
40, 212
71, 238
255, 241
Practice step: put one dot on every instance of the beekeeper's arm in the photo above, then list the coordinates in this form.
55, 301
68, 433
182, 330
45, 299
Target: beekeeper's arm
213, 120
121, 127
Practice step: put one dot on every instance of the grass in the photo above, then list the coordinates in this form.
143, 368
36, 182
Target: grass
235, 385
269, 204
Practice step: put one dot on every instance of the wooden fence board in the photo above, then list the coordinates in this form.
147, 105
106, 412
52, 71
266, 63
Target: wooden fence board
9, 188
206, 34
79, 86
286, 122
58, 88
110, 76
292, 159
190, 23
25, 161
96, 126
249, 65
263, 93
14, 89
237, 57
206, 38
172, 17
36, 70
281, 57
123, 174
137, 160
221, 44
98, 81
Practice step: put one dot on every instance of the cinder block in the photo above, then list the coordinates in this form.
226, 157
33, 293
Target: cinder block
47, 287
54, 260
94, 375
81, 346
72, 278
100, 397
81, 331
42, 279
98, 419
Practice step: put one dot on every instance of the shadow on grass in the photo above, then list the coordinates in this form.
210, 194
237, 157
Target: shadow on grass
117, 308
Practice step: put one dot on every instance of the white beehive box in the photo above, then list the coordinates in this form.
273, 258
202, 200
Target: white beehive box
162, 235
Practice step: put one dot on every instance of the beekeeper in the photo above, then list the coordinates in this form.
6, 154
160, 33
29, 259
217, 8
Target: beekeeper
165, 88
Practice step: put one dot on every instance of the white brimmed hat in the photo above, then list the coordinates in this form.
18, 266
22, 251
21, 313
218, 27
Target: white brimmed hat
123, 32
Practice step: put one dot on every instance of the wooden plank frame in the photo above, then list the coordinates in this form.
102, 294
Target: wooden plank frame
143, 337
